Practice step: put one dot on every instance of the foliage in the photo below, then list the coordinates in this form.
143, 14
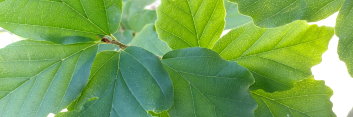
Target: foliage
118, 58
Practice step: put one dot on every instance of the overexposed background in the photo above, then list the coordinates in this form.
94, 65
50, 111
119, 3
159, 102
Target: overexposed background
332, 70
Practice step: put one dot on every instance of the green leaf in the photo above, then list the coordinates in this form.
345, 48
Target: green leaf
277, 57
38, 78
124, 36
190, 23
234, 18
135, 16
273, 13
148, 39
344, 30
126, 84
205, 85
61, 20
107, 47
308, 98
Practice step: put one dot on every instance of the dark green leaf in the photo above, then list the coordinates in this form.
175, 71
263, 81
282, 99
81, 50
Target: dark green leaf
126, 84
205, 85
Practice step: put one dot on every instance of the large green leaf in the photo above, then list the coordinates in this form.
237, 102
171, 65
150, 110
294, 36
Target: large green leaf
344, 30
148, 39
38, 78
233, 17
277, 57
308, 98
205, 85
125, 84
61, 20
273, 13
190, 23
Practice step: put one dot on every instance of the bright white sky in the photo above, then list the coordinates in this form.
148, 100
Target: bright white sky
332, 70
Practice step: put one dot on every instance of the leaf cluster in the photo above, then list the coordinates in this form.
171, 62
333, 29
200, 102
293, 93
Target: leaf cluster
179, 58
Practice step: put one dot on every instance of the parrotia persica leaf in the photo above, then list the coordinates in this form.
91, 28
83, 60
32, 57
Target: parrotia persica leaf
273, 13
344, 30
205, 85
125, 84
277, 57
190, 23
308, 98
148, 39
38, 78
61, 20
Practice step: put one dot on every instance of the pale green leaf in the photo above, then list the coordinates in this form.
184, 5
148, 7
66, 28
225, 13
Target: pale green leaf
38, 78
273, 13
148, 39
61, 20
107, 47
205, 85
125, 84
124, 36
277, 57
234, 18
190, 23
308, 98
135, 16
344, 30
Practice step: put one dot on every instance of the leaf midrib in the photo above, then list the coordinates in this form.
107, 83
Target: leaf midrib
190, 86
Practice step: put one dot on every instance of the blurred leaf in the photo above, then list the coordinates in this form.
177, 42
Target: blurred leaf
234, 18
124, 36
148, 39
135, 16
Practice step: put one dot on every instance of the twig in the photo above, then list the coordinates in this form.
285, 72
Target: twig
114, 41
